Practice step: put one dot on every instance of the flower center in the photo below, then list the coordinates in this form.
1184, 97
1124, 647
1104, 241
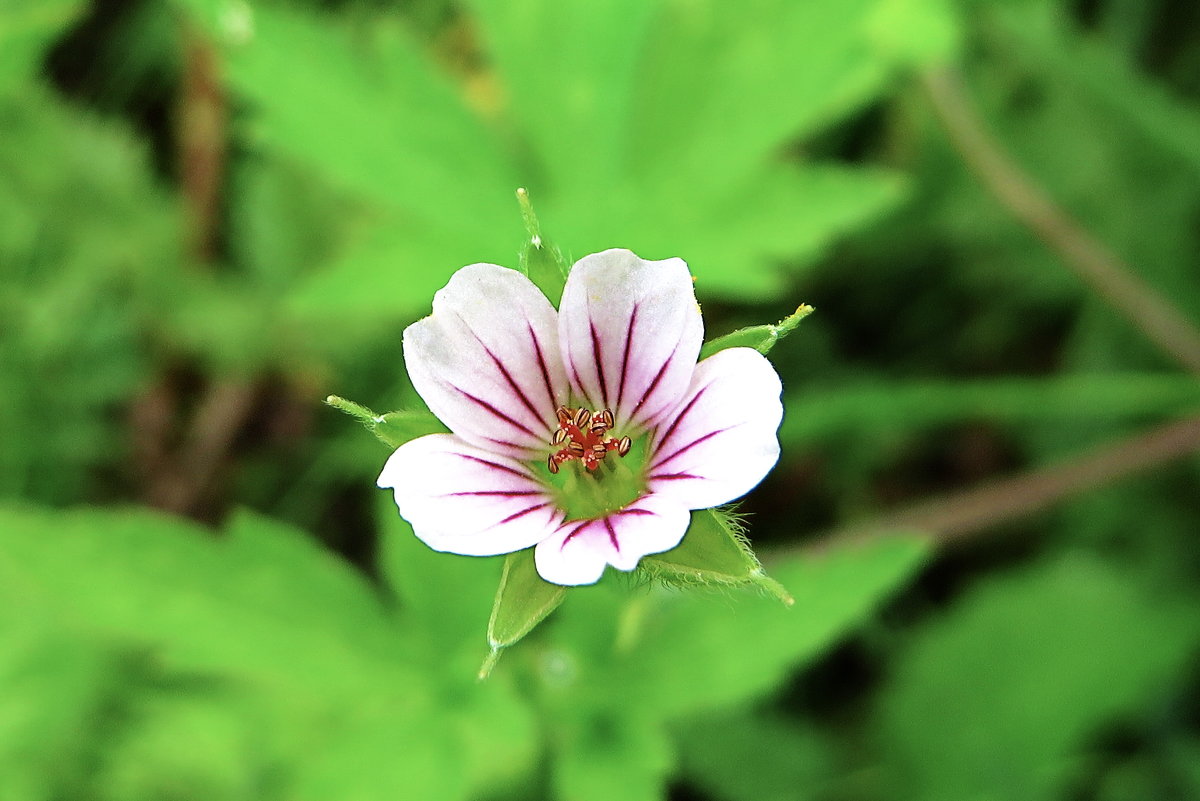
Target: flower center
581, 435
604, 484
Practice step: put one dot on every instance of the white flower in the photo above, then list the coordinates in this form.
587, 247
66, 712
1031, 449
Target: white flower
589, 432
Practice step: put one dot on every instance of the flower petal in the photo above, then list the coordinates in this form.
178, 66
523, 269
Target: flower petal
466, 500
487, 360
630, 333
723, 437
578, 551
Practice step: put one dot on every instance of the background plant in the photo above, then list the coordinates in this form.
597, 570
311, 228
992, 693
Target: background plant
213, 214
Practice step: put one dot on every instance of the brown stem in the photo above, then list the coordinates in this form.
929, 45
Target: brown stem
1151, 313
180, 480
201, 126
959, 514
215, 426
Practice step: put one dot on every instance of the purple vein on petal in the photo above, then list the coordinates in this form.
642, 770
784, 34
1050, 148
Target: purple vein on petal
672, 476
541, 360
612, 534
574, 378
599, 364
636, 511
522, 513
492, 494
571, 534
690, 445
625, 356
657, 378
670, 432
512, 383
505, 443
489, 407
502, 467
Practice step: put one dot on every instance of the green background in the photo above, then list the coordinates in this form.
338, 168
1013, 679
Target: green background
214, 214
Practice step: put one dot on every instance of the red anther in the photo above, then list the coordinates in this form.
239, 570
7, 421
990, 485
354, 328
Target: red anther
580, 434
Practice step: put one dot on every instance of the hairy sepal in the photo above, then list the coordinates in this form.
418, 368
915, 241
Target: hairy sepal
760, 337
541, 261
714, 553
393, 428
523, 600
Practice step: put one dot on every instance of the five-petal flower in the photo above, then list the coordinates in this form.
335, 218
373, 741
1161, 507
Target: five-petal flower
503, 370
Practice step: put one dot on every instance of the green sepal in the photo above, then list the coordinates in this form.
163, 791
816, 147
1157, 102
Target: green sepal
523, 600
540, 260
760, 337
713, 552
394, 428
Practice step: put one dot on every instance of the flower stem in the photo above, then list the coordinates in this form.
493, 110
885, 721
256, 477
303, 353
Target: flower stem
1094, 264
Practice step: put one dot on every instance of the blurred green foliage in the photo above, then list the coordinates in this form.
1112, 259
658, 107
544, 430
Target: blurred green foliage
213, 214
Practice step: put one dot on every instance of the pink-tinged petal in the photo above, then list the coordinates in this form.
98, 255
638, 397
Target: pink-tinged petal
630, 332
722, 439
579, 550
467, 500
487, 360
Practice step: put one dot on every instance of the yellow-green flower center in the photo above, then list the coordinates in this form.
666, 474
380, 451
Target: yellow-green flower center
591, 472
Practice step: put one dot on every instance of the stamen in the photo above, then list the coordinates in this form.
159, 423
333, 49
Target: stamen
581, 435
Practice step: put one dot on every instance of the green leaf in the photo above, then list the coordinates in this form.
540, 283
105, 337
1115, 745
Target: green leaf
703, 111
523, 600
57, 686
200, 744
736, 239
913, 405
760, 337
446, 596
87, 237
348, 108
612, 755
347, 698
671, 654
787, 761
384, 274
713, 551
1096, 71
704, 653
439, 190
577, 112
27, 29
1000, 694
916, 32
